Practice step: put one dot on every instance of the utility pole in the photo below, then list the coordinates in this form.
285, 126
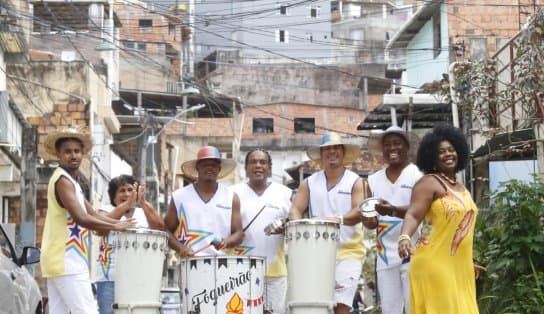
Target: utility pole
29, 175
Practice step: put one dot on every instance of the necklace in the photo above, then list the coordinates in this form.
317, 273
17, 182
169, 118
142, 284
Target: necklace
450, 180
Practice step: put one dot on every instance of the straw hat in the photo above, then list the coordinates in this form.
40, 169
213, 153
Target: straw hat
69, 132
351, 151
208, 152
375, 141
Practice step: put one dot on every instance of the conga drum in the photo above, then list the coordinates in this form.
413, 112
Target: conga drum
311, 261
139, 260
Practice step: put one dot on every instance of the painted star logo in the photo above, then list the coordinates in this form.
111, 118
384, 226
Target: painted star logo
77, 239
242, 250
384, 227
186, 236
104, 256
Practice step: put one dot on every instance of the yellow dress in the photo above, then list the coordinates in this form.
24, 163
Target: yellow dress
441, 269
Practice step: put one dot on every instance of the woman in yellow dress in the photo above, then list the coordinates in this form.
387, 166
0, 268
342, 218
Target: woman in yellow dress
442, 277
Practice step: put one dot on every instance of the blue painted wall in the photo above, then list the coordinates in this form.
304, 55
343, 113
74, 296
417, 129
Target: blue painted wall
421, 65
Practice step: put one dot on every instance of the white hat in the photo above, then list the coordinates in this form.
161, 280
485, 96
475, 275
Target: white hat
375, 142
351, 151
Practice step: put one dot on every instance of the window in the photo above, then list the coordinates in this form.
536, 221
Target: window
171, 29
304, 125
129, 44
314, 11
283, 9
145, 25
282, 36
141, 46
135, 45
263, 125
437, 35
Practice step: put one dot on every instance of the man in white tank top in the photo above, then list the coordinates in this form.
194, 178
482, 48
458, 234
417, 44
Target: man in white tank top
203, 218
336, 192
64, 258
393, 186
264, 202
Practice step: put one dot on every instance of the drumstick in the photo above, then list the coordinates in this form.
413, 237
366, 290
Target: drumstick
252, 220
202, 249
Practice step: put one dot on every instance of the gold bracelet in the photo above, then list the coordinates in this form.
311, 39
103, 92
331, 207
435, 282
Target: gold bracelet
403, 237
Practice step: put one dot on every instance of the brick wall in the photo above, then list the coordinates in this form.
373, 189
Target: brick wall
486, 19
63, 115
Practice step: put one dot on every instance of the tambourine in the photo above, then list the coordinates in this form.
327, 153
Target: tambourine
368, 207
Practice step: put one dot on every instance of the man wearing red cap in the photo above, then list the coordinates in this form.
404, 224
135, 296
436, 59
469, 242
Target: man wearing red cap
204, 217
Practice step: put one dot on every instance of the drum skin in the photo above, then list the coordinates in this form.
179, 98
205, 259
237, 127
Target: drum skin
222, 284
311, 261
140, 255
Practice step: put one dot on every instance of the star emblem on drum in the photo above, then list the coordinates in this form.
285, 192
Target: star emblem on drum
77, 239
384, 228
104, 256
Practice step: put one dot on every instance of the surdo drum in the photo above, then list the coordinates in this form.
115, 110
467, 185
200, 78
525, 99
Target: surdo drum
222, 284
311, 249
139, 260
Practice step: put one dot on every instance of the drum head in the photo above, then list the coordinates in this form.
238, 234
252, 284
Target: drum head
368, 207
312, 222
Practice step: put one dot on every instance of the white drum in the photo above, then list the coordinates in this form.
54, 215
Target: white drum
222, 284
139, 261
311, 261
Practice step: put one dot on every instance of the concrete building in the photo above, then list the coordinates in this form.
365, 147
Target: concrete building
263, 31
361, 29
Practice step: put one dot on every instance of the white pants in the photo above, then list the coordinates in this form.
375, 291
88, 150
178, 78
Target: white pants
276, 291
346, 276
71, 294
394, 289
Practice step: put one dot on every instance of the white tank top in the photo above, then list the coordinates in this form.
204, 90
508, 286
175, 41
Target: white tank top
276, 201
334, 202
106, 252
398, 194
200, 222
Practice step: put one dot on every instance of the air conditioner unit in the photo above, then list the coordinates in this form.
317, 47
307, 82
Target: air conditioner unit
7, 173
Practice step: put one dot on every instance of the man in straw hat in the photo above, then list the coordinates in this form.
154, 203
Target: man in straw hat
393, 186
336, 191
64, 258
204, 217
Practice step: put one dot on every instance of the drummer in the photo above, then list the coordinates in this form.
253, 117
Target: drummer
203, 218
336, 192
263, 202
125, 193
393, 186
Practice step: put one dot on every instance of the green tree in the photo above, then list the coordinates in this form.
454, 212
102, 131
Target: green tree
510, 241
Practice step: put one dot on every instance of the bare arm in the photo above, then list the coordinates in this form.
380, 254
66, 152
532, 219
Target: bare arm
424, 193
66, 197
386, 208
153, 219
171, 223
300, 202
353, 217
236, 229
